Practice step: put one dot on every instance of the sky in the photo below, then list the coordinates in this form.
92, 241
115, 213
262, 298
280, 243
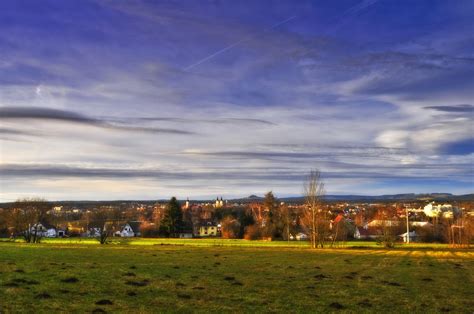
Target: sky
104, 100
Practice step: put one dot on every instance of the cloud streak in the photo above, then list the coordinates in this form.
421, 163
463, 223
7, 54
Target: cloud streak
455, 108
35, 113
32, 171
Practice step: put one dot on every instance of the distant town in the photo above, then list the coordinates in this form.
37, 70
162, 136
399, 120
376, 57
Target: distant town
442, 218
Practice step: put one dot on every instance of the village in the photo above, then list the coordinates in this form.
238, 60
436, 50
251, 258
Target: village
254, 219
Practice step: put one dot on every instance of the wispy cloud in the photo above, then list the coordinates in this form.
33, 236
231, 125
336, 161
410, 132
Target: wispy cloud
453, 108
35, 113
374, 93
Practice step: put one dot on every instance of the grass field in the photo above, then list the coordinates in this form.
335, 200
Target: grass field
78, 277
206, 242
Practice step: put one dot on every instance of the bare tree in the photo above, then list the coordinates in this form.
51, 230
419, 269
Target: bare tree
107, 221
314, 216
25, 217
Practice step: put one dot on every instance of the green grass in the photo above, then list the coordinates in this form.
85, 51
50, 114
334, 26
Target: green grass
207, 242
193, 278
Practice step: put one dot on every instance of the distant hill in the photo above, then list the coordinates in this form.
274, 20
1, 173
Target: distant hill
387, 197
254, 197
439, 197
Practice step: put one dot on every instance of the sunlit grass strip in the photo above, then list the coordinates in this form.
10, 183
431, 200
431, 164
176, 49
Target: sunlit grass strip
216, 242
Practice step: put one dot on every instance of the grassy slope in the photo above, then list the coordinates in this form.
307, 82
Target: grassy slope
190, 278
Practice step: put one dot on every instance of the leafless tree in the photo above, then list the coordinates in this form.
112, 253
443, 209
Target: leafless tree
107, 221
25, 216
314, 216
460, 231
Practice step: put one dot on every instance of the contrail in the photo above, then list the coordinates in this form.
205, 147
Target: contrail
235, 44
352, 11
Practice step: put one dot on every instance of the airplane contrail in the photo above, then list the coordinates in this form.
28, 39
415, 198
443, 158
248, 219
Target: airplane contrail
352, 11
235, 44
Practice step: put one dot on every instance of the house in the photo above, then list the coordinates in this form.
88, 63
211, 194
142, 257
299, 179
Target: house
185, 234
412, 234
301, 236
421, 224
46, 230
93, 231
366, 233
130, 229
383, 223
446, 210
208, 230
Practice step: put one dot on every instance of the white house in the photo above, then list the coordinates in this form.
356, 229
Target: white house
422, 224
299, 236
432, 210
45, 230
413, 236
130, 229
382, 223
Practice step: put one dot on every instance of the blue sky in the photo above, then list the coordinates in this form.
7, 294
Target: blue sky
148, 99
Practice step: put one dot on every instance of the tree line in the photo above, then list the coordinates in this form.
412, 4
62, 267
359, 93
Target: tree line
268, 220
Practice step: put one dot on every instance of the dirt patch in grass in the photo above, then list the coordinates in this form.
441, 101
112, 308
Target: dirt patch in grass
25, 281
43, 295
320, 276
229, 278
134, 283
426, 279
21, 271
237, 283
98, 310
129, 274
131, 293
70, 280
180, 284
337, 306
391, 283
184, 296
104, 302
198, 288
11, 285
366, 277
365, 303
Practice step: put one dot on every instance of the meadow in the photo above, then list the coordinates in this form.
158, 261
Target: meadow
162, 275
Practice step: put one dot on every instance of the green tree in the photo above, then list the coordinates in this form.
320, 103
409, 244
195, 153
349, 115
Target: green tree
172, 221
272, 226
